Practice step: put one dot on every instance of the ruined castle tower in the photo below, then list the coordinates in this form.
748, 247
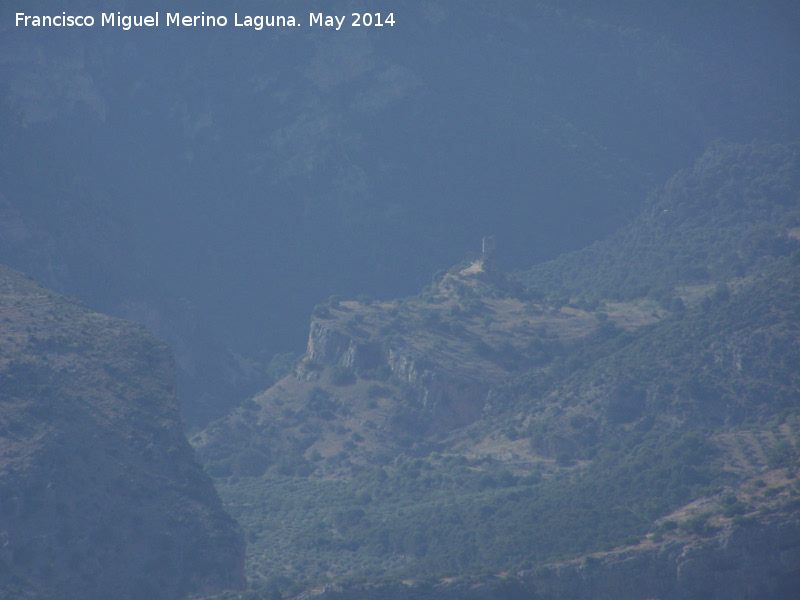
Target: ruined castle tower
487, 249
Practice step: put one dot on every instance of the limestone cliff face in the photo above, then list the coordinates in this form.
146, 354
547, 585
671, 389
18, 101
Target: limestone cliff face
450, 397
328, 346
100, 493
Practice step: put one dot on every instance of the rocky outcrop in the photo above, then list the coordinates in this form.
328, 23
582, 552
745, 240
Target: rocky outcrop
328, 346
449, 398
100, 493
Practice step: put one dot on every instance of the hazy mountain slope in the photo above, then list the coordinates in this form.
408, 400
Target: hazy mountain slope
593, 450
100, 494
730, 215
481, 428
285, 166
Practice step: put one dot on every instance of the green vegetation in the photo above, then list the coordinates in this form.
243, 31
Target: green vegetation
621, 457
647, 387
341, 376
449, 516
725, 218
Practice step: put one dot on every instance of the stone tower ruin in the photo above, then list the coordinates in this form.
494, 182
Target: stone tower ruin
487, 248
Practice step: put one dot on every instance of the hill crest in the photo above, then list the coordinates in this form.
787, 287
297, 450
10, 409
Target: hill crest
488, 427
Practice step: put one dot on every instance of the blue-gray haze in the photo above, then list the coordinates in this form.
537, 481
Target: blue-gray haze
216, 183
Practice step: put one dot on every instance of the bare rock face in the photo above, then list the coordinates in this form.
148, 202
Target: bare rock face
450, 397
329, 346
100, 493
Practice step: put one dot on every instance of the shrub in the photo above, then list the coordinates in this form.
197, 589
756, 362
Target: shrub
341, 376
781, 455
378, 391
321, 311
251, 462
319, 400
625, 402
677, 305
699, 525
281, 365
481, 348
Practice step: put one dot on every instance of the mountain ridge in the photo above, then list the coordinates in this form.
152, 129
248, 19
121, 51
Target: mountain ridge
488, 426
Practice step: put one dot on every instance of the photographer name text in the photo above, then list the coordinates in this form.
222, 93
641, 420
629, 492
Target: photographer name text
173, 20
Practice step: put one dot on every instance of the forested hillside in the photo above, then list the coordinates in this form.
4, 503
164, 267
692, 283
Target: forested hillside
485, 429
727, 217
452, 299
